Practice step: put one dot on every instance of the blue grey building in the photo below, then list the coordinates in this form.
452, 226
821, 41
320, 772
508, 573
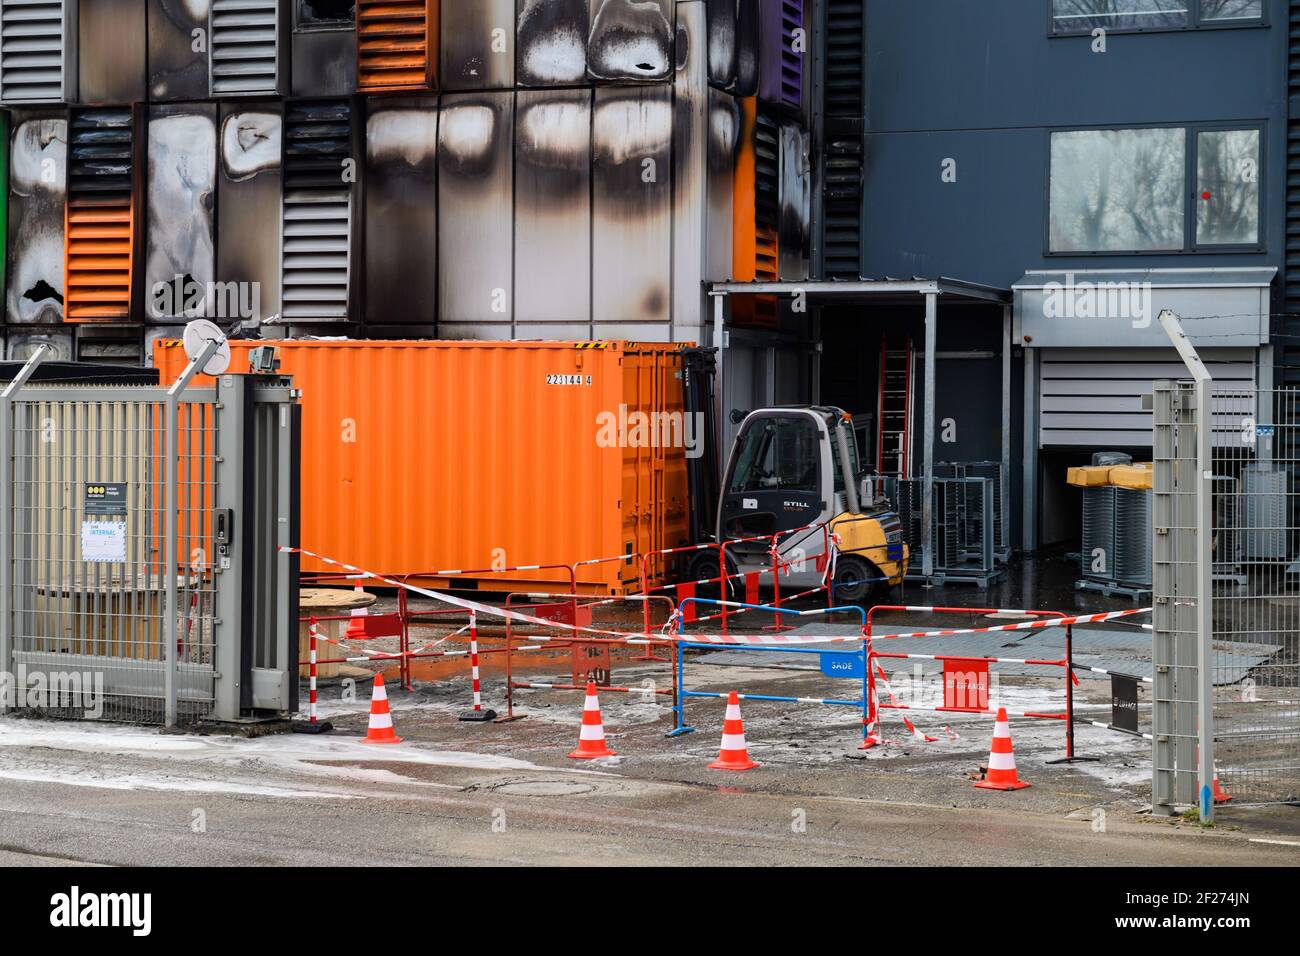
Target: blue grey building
1098, 160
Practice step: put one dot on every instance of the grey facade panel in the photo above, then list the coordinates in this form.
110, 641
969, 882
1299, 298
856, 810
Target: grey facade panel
475, 209
553, 209
478, 45
113, 43
323, 60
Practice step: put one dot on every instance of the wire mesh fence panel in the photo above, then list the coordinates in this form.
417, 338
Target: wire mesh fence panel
87, 544
1256, 661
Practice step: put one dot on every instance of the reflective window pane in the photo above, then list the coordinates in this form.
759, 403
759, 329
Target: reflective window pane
1084, 16
1228, 10
1227, 187
1117, 190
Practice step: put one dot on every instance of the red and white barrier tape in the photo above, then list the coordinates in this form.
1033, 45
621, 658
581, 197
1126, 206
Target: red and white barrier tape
1022, 626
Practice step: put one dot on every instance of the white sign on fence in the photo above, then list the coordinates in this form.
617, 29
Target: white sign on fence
103, 541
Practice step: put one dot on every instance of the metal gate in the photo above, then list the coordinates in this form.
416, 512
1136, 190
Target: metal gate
133, 591
1249, 576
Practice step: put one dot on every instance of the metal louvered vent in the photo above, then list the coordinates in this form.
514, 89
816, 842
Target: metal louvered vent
845, 44
1098, 550
1290, 372
317, 213
244, 43
1133, 536
394, 44
31, 51
842, 209
100, 212
767, 193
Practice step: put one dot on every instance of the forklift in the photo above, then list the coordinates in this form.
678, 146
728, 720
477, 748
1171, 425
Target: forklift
790, 467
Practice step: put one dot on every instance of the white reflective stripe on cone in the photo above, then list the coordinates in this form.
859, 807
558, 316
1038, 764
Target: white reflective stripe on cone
591, 704
1002, 761
733, 712
591, 732
733, 742
1002, 730
379, 693
380, 721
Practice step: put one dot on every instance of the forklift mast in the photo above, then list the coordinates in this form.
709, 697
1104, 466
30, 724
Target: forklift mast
703, 476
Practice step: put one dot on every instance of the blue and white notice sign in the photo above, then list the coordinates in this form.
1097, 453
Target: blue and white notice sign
842, 665
103, 541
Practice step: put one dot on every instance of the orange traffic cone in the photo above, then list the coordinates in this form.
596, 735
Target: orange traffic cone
591, 738
381, 720
357, 626
734, 754
1220, 793
1002, 759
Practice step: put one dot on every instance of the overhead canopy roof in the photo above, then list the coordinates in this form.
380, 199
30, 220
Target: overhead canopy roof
874, 289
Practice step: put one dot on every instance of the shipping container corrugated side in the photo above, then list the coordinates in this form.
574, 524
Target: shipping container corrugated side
431, 455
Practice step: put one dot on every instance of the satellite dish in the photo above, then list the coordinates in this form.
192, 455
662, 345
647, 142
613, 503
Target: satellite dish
197, 335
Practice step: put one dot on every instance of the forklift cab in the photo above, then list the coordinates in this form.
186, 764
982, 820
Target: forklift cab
794, 467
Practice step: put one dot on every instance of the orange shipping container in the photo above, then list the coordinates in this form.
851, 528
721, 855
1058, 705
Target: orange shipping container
423, 456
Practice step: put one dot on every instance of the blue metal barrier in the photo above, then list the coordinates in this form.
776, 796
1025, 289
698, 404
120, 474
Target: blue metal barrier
852, 657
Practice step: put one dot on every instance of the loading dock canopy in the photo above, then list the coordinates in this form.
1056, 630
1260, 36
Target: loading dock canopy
1093, 308
925, 293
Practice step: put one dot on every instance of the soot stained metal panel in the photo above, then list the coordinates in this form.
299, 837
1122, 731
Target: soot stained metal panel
551, 42
748, 40
176, 70
113, 44
248, 202
705, 128
22, 343
323, 57
478, 45
721, 43
553, 213
401, 211
796, 203
180, 257
631, 40
631, 265
37, 196
475, 215
119, 344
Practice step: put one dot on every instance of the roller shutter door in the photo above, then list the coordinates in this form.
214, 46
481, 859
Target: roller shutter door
1093, 397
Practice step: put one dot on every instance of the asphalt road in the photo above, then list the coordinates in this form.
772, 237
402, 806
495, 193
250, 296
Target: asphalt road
132, 797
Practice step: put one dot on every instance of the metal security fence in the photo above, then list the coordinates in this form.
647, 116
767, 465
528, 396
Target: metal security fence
141, 570
88, 546
1226, 544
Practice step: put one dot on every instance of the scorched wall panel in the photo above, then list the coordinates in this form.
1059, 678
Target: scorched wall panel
632, 213
248, 202
553, 214
324, 48
551, 42
37, 195
478, 45
401, 211
475, 215
180, 255
177, 71
630, 40
113, 45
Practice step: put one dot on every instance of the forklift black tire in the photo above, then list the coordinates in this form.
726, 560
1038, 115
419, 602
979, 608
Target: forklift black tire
704, 567
856, 580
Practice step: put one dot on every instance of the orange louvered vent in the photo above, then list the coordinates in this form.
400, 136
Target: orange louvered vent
397, 44
756, 211
100, 217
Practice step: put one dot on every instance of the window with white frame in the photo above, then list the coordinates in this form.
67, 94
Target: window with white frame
1127, 190
1085, 16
